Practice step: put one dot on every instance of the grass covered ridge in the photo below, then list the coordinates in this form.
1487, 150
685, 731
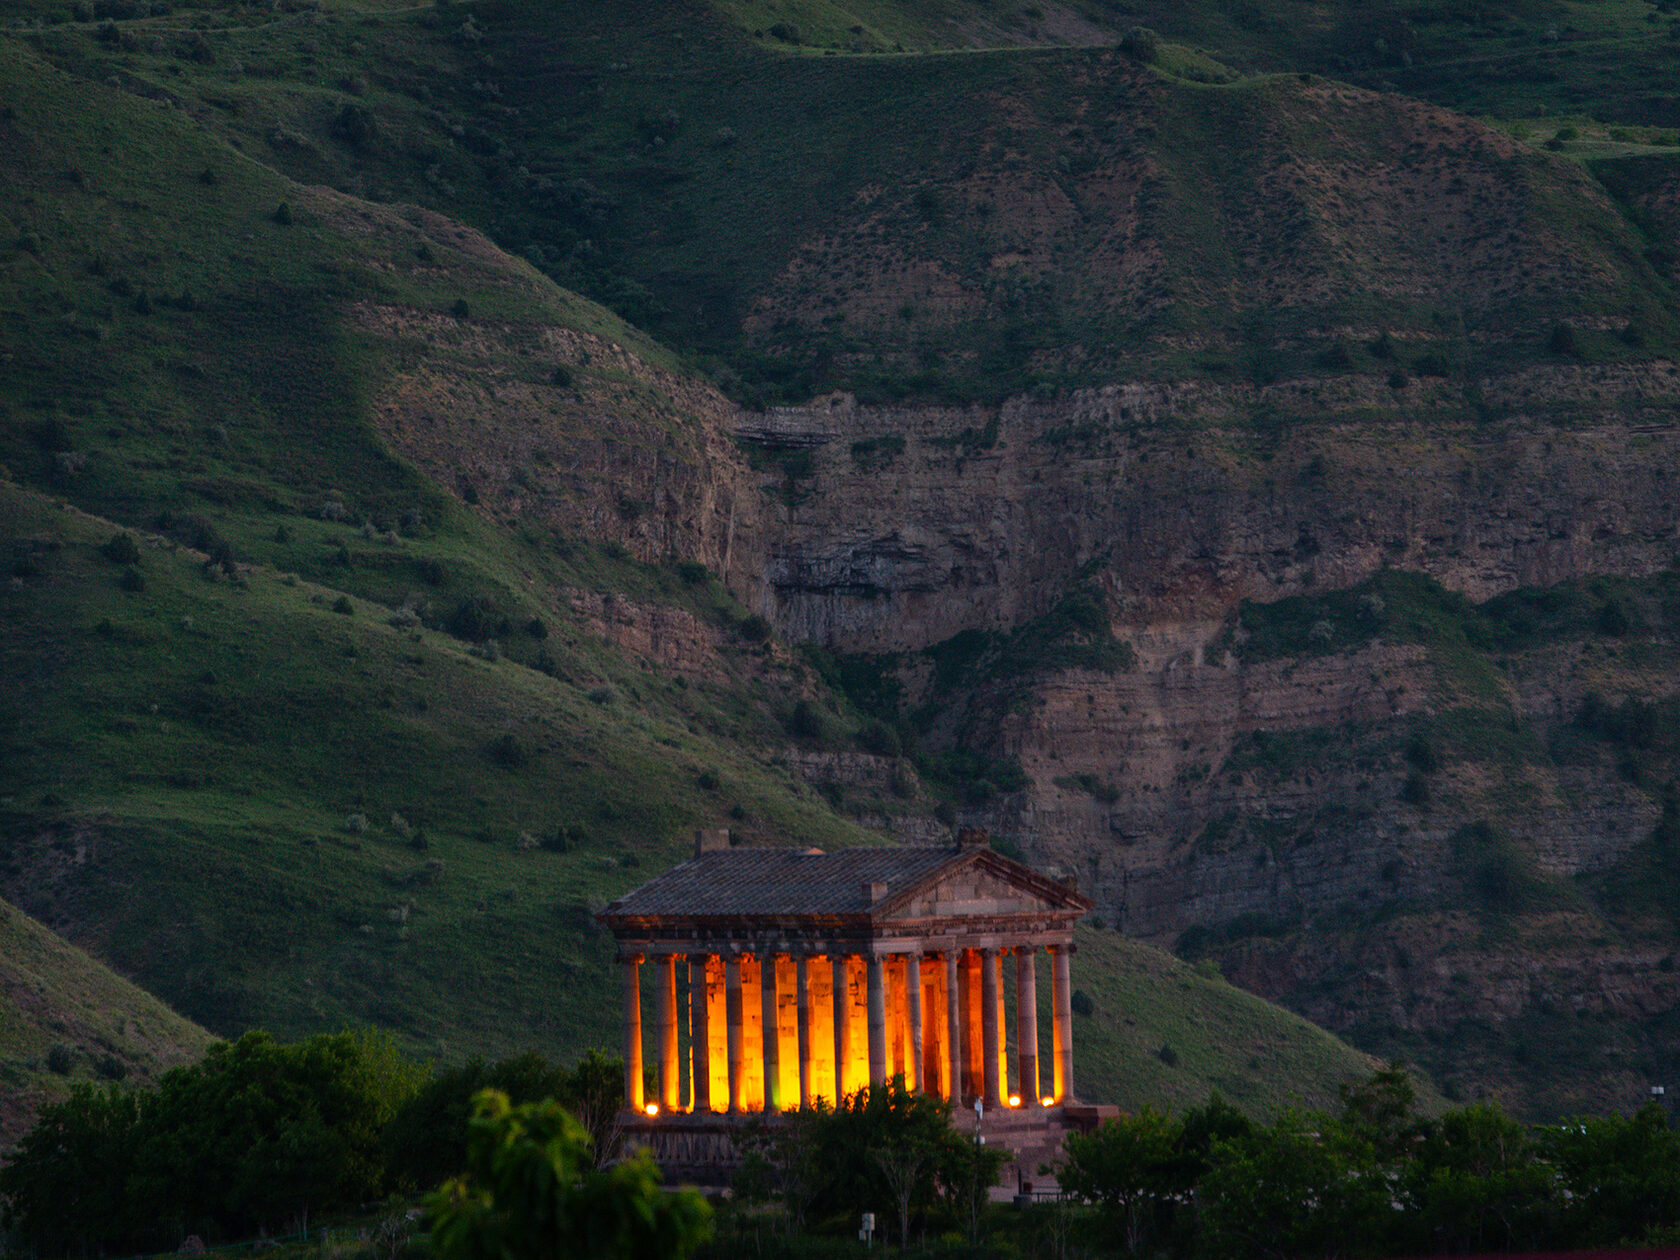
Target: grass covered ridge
66, 1017
984, 224
337, 820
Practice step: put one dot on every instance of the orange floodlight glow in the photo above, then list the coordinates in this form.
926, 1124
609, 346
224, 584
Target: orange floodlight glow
652, 1109
1014, 1100
1048, 1101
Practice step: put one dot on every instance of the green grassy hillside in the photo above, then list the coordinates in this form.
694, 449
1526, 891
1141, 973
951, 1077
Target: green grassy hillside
334, 819
65, 1017
1164, 1033
1581, 61
955, 226
278, 813
313, 689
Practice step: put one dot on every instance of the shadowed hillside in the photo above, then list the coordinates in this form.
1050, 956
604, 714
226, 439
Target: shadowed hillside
65, 1017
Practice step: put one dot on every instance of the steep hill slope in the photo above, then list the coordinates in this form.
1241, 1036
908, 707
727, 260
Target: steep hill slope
65, 1017
977, 225
368, 752
1164, 1034
991, 223
1191, 424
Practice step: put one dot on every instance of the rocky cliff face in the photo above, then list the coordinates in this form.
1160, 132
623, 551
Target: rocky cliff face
1261, 807
907, 526
570, 431
1204, 796
1270, 807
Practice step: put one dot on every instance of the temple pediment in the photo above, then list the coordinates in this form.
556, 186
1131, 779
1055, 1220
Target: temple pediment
985, 886
863, 890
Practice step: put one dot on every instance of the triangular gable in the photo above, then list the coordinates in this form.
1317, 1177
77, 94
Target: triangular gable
982, 883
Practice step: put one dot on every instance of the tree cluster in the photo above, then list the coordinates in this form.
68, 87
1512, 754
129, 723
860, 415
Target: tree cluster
259, 1135
532, 1189
885, 1149
1378, 1179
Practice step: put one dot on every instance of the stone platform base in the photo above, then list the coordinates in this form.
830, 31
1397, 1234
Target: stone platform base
705, 1150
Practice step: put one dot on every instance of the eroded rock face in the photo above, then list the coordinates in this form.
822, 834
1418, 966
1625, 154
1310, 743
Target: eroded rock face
915, 524
872, 529
1150, 785
624, 452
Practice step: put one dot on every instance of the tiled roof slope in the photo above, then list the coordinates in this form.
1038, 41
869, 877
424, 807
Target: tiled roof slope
780, 882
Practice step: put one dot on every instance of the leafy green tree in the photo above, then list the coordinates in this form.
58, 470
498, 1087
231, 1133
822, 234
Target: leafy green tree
1127, 1167
890, 1118
1217, 1121
259, 1133
256, 1134
1478, 1183
1382, 1112
593, 1091
530, 1192
1303, 1186
426, 1140
1620, 1175
67, 1185
884, 1149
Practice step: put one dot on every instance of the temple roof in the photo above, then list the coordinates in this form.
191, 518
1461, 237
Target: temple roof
789, 882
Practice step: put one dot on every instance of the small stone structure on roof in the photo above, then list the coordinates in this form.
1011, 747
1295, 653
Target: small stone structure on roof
784, 976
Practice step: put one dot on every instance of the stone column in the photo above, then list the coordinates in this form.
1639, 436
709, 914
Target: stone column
989, 1021
877, 1021
633, 1033
1026, 1023
802, 996
1061, 1003
973, 1024
913, 978
666, 978
771, 1038
699, 1036
732, 1005
953, 1027
842, 1025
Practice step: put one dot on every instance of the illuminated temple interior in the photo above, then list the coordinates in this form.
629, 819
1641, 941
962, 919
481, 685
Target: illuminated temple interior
778, 977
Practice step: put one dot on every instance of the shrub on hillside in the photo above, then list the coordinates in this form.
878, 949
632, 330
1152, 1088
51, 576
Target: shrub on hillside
877, 737
1140, 44
121, 549
354, 124
807, 721
506, 751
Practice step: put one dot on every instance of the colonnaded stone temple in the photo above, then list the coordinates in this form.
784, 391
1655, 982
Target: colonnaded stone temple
781, 976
